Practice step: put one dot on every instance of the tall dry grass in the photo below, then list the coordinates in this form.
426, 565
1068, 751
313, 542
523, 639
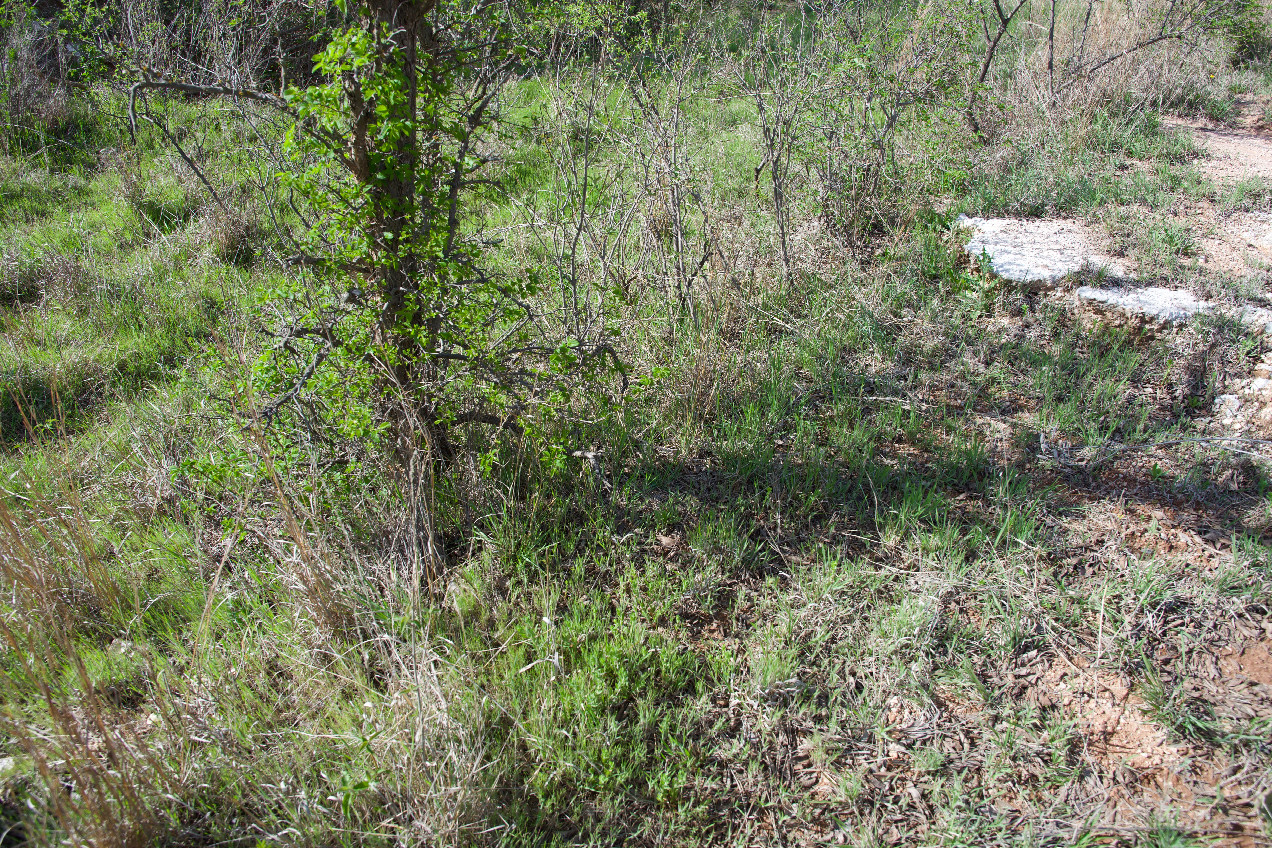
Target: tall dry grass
303, 668
128, 715
1067, 61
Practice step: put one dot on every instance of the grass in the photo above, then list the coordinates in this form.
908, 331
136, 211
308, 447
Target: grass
109, 291
829, 574
1086, 174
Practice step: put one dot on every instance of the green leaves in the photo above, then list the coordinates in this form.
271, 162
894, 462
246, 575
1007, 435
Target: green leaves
396, 316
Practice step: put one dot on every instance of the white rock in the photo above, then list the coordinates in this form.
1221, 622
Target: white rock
1168, 306
1227, 404
1037, 251
1257, 319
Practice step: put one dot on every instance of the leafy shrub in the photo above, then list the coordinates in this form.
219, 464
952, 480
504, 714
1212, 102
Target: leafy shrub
1248, 31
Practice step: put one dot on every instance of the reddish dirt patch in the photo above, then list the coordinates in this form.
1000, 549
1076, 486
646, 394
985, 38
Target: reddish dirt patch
1253, 662
1111, 718
1235, 154
1144, 772
1234, 243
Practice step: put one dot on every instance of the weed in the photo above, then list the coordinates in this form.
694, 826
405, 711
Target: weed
854, 550
1221, 110
1161, 834
1245, 196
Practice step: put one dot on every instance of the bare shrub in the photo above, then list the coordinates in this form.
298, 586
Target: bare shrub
240, 44
834, 91
670, 167
878, 81
635, 225
567, 225
33, 80
1064, 59
779, 72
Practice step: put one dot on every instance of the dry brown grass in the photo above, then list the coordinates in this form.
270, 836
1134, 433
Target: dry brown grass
833, 571
1094, 57
115, 735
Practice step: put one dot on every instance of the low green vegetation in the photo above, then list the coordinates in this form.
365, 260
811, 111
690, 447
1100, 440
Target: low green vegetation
803, 529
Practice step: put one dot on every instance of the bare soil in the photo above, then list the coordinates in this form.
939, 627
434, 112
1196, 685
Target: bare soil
1237, 243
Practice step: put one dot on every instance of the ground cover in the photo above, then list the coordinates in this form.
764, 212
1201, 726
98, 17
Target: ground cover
876, 549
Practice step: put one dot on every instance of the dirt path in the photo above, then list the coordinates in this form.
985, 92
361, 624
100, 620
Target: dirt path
1235, 153
1232, 236
1232, 242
